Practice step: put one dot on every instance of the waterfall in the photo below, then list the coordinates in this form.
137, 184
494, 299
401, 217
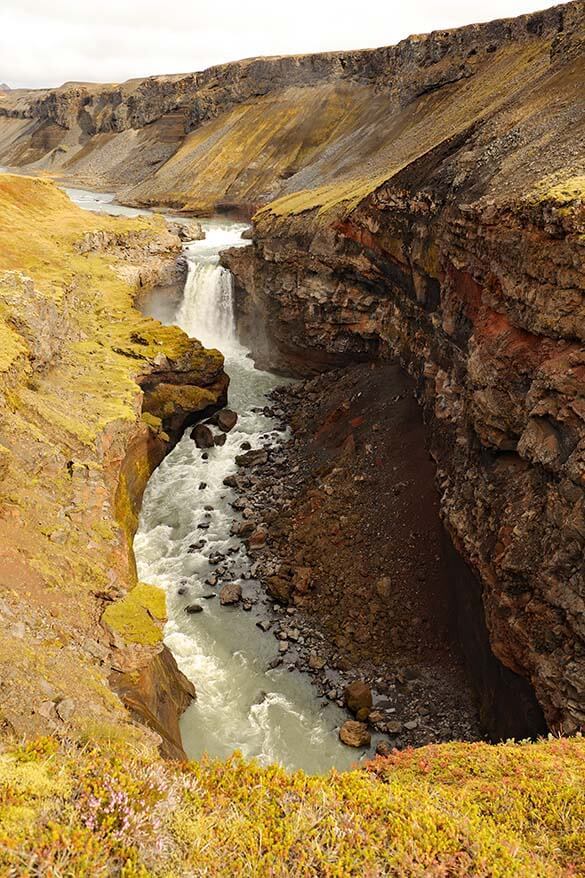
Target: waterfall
207, 310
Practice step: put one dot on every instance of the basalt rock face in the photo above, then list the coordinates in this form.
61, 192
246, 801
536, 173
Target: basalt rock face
249, 131
467, 262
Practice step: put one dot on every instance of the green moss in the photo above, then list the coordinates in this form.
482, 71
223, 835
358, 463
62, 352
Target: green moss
513, 811
133, 617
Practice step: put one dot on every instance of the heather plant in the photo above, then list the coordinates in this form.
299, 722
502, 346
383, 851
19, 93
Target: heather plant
130, 806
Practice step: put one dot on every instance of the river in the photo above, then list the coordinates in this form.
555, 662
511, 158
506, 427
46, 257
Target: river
242, 704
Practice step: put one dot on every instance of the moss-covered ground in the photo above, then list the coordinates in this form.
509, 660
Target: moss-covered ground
453, 810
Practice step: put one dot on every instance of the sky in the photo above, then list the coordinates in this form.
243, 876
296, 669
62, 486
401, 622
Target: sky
48, 42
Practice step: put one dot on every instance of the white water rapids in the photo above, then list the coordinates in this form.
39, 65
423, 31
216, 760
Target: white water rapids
272, 715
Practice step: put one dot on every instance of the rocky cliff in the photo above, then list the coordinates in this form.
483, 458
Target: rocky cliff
468, 262
92, 395
238, 135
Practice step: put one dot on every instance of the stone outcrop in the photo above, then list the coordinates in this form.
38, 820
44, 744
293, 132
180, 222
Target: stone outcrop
486, 309
157, 693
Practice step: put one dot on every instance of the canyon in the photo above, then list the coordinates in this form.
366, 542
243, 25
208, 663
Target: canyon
417, 237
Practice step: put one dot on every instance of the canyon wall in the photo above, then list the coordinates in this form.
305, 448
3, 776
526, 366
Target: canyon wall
92, 396
468, 263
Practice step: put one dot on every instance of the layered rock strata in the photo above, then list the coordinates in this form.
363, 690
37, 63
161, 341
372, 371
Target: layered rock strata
484, 303
238, 135
467, 262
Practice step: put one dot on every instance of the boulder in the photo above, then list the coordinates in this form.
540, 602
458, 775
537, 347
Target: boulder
192, 609
231, 593
202, 436
302, 579
358, 696
226, 420
256, 457
65, 709
257, 540
280, 588
384, 587
186, 229
219, 439
355, 734
316, 662
384, 748
243, 528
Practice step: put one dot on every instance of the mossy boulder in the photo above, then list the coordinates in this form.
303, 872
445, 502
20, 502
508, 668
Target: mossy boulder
138, 616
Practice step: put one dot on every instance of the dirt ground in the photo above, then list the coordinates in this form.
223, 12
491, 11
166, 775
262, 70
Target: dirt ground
355, 549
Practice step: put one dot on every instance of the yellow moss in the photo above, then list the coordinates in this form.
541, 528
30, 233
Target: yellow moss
513, 811
152, 421
30, 780
133, 617
11, 347
562, 192
152, 599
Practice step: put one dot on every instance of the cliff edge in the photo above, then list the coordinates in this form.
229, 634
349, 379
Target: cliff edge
78, 440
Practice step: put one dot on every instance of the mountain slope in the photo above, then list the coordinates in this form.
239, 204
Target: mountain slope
241, 134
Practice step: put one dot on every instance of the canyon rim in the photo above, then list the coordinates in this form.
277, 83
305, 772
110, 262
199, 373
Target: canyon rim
339, 515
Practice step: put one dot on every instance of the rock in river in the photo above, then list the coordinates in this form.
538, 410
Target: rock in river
355, 734
192, 609
230, 594
202, 436
227, 420
252, 458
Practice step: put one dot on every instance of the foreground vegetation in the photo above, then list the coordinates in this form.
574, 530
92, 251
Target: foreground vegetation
450, 810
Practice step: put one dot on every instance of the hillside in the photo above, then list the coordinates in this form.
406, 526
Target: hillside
239, 135
75, 454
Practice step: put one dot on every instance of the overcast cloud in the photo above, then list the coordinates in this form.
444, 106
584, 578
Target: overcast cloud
48, 42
